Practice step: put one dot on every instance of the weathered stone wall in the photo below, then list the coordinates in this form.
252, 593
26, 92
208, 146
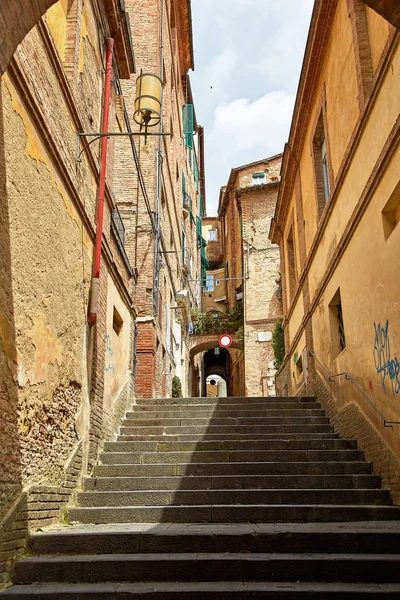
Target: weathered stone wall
262, 307
55, 411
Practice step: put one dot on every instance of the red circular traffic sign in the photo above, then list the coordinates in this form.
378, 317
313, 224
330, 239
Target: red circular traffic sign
225, 341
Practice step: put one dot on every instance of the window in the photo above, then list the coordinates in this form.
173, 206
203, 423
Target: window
321, 164
324, 162
117, 321
338, 337
210, 283
291, 262
212, 235
299, 367
391, 212
258, 178
217, 282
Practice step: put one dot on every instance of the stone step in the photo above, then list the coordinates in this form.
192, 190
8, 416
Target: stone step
190, 446
226, 421
351, 568
229, 400
232, 497
262, 513
218, 456
218, 482
188, 437
188, 413
258, 468
228, 407
248, 590
372, 537
238, 429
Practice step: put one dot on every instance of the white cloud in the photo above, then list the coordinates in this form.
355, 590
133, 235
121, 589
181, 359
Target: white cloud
243, 132
248, 56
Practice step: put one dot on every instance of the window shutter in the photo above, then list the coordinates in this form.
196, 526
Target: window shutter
188, 124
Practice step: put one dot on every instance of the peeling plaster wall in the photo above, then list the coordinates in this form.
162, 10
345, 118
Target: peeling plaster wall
50, 271
56, 408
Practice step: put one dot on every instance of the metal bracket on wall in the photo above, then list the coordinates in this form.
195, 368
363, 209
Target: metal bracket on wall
97, 136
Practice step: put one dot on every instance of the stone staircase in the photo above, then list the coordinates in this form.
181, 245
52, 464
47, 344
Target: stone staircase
222, 498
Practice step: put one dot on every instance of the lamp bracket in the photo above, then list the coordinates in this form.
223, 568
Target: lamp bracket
97, 136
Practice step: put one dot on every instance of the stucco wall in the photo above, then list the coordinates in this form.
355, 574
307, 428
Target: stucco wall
53, 417
347, 245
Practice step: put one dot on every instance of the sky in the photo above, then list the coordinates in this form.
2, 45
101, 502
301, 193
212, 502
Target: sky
248, 56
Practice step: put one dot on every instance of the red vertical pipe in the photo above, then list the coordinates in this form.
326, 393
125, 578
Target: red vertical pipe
94, 296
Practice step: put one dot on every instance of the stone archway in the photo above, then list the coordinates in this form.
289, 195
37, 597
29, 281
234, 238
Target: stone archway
200, 343
17, 17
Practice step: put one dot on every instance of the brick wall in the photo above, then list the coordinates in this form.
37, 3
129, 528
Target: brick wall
145, 17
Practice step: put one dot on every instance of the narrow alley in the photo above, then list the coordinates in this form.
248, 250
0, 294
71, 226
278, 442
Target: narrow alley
199, 299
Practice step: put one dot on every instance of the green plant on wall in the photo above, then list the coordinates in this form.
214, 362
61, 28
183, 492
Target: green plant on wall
176, 387
209, 323
278, 344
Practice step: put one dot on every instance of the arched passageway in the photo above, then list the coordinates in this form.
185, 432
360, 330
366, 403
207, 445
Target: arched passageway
226, 363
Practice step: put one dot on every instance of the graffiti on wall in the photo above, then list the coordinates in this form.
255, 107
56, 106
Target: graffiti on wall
109, 366
387, 368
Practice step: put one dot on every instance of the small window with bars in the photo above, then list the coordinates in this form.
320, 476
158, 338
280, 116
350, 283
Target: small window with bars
338, 336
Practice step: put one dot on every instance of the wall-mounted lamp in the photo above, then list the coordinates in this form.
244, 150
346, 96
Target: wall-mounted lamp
147, 112
148, 101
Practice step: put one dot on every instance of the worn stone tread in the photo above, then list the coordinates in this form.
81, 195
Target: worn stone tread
222, 590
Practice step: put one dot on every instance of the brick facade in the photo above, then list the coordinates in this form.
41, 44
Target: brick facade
165, 267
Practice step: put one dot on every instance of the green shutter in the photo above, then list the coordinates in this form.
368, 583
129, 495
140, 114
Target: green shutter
199, 227
203, 275
201, 206
188, 124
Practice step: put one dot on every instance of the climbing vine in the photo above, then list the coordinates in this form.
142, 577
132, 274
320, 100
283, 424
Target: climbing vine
278, 344
176, 387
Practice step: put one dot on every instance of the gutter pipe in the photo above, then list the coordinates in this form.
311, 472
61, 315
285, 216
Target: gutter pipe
94, 293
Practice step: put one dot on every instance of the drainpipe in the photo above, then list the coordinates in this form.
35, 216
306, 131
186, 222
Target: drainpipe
94, 293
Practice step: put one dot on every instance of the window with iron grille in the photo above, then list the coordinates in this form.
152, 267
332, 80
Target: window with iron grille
338, 336
342, 338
